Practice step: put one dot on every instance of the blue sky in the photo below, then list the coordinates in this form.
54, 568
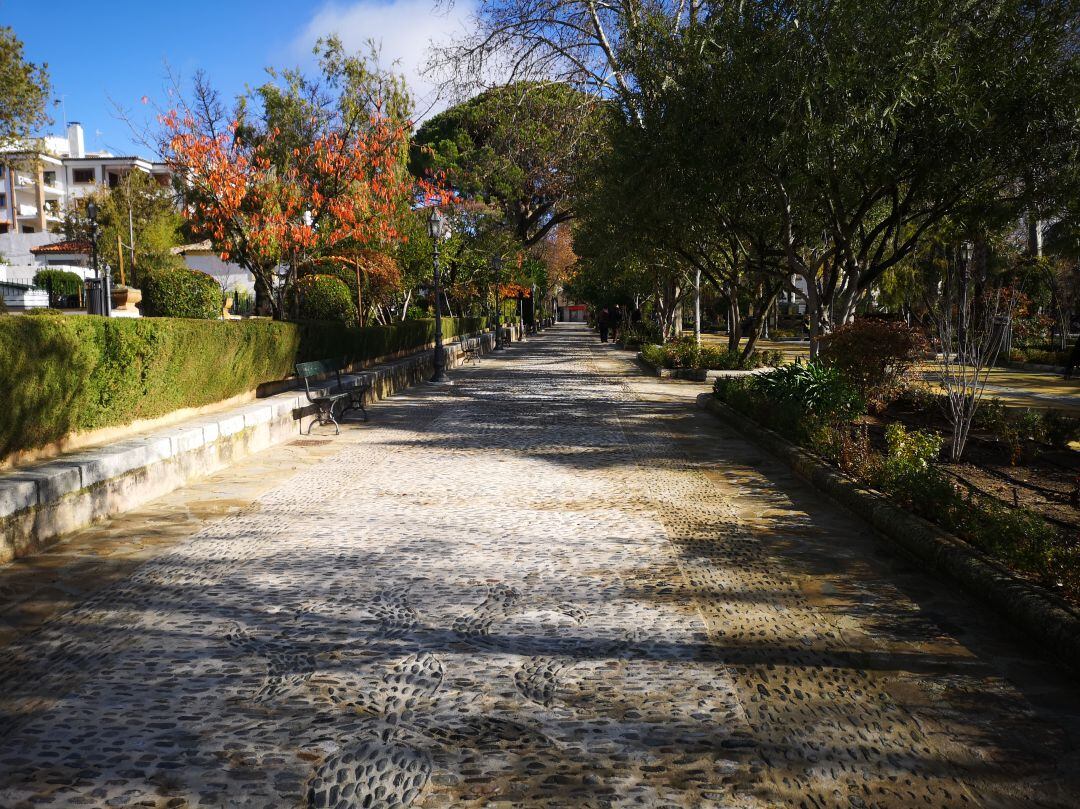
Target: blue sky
118, 49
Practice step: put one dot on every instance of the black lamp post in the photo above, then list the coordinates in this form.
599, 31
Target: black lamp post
101, 291
496, 265
521, 315
438, 229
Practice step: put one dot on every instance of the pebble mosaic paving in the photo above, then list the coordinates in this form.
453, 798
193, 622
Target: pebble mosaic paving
551, 585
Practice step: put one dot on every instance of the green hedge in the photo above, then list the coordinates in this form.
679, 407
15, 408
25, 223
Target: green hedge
62, 375
58, 282
322, 297
181, 292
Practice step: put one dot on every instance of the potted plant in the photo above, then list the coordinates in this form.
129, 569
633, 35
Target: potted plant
125, 298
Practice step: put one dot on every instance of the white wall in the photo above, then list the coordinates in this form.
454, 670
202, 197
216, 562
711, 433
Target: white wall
230, 276
15, 247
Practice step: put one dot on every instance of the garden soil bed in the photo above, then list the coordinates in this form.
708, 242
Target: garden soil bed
1044, 480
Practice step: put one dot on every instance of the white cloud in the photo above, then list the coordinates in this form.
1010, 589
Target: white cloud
404, 30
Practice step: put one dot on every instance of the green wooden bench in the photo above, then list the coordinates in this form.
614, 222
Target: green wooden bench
326, 399
470, 349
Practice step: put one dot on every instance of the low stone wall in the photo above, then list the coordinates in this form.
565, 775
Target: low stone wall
1041, 617
41, 502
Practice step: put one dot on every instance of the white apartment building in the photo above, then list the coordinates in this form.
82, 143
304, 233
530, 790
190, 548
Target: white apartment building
40, 179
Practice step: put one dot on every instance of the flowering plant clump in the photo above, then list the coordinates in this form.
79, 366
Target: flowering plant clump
876, 356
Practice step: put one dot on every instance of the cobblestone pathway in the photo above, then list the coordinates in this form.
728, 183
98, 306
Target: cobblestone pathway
554, 585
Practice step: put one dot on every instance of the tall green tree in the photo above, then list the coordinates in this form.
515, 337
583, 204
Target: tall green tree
836, 144
25, 91
138, 224
520, 148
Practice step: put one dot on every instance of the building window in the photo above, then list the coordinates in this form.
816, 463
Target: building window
28, 229
3, 227
3, 200
82, 175
3, 171
49, 177
114, 179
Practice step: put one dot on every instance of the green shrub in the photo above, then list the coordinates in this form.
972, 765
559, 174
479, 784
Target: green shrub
654, 355
322, 297
686, 353
1039, 356
640, 334
71, 374
1060, 428
1016, 427
181, 293
58, 282
909, 457
767, 358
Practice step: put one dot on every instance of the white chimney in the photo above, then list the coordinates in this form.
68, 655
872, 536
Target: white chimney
76, 146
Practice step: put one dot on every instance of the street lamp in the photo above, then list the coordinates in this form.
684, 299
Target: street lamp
104, 299
521, 314
496, 265
438, 229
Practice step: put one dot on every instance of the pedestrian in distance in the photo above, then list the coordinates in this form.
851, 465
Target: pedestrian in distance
603, 320
616, 322
1074, 360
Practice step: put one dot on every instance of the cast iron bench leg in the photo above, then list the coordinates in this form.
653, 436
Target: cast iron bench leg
325, 415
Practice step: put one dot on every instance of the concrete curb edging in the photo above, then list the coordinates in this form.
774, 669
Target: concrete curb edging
1036, 613
46, 500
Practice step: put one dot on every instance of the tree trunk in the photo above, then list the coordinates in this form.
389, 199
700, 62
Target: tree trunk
735, 322
697, 307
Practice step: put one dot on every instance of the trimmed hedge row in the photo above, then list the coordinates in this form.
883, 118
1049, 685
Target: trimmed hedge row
323, 297
180, 292
60, 375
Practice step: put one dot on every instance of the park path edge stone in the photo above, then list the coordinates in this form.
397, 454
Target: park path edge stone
1042, 619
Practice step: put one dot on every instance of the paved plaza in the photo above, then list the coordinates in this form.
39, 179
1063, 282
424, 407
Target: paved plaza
555, 584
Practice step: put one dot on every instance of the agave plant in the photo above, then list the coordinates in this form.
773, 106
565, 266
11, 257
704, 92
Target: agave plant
819, 390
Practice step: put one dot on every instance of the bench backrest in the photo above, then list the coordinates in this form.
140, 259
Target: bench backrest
316, 368
308, 370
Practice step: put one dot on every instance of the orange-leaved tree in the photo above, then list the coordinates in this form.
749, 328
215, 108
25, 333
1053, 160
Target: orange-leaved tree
319, 168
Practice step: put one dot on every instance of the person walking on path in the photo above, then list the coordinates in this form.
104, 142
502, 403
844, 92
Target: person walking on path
603, 320
616, 323
1074, 360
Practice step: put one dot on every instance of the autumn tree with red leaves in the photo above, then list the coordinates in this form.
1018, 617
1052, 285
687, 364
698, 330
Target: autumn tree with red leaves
302, 171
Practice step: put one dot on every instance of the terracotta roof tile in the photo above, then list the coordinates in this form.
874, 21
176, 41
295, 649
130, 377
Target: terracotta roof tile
69, 246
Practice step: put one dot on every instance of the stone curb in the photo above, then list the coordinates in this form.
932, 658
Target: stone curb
1038, 614
696, 374
48, 499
